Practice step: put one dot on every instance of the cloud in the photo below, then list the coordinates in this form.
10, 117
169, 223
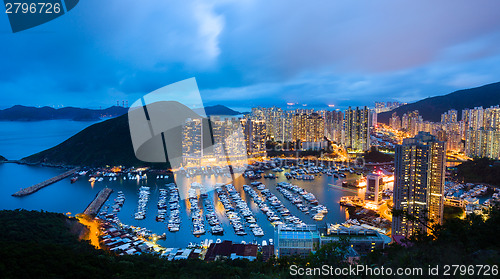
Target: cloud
466, 80
210, 25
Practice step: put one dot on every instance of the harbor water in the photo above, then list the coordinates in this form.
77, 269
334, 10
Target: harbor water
73, 198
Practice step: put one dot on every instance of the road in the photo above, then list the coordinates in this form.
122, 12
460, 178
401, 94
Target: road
385, 212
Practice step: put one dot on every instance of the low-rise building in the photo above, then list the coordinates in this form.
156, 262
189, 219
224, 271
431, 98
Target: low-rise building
228, 250
362, 241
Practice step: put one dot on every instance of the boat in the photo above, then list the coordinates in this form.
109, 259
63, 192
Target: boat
217, 230
318, 216
141, 204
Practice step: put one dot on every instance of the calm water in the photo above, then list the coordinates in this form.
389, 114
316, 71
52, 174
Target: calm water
21, 139
65, 197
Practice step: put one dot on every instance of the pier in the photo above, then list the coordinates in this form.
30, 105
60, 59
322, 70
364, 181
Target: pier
30, 190
97, 203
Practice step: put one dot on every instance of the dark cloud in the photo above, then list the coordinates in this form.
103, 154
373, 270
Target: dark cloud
253, 52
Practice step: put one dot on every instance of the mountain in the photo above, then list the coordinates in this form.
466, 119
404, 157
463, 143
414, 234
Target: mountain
24, 113
105, 143
219, 110
432, 108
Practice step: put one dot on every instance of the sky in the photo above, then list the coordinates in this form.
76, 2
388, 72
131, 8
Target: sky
246, 53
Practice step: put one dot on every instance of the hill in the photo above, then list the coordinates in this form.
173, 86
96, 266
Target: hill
24, 113
41, 245
375, 156
2, 158
432, 108
104, 143
479, 170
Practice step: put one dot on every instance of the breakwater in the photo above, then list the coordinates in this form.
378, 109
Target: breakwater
30, 190
97, 203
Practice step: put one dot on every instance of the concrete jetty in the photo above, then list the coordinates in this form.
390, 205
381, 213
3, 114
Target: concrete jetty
30, 190
97, 203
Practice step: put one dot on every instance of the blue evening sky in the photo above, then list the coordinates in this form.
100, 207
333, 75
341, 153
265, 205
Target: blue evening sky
245, 53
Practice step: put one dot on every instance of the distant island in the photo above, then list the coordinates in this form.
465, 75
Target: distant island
431, 108
218, 110
25, 113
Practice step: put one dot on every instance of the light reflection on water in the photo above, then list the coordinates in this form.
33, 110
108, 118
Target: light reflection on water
64, 196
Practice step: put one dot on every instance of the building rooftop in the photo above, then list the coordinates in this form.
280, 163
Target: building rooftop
227, 248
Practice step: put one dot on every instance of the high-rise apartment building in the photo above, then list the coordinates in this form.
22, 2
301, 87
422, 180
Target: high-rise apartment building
411, 122
483, 143
419, 184
315, 127
299, 124
192, 145
357, 128
257, 137
481, 131
288, 126
374, 188
274, 119
308, 127
395, 121
449, 117
334, 125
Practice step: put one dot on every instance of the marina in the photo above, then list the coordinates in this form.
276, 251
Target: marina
143, 201
273, 205
305, 201
125, 201
196, 211
174, 220
247, 210
162, 205
235, 219
211, 216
